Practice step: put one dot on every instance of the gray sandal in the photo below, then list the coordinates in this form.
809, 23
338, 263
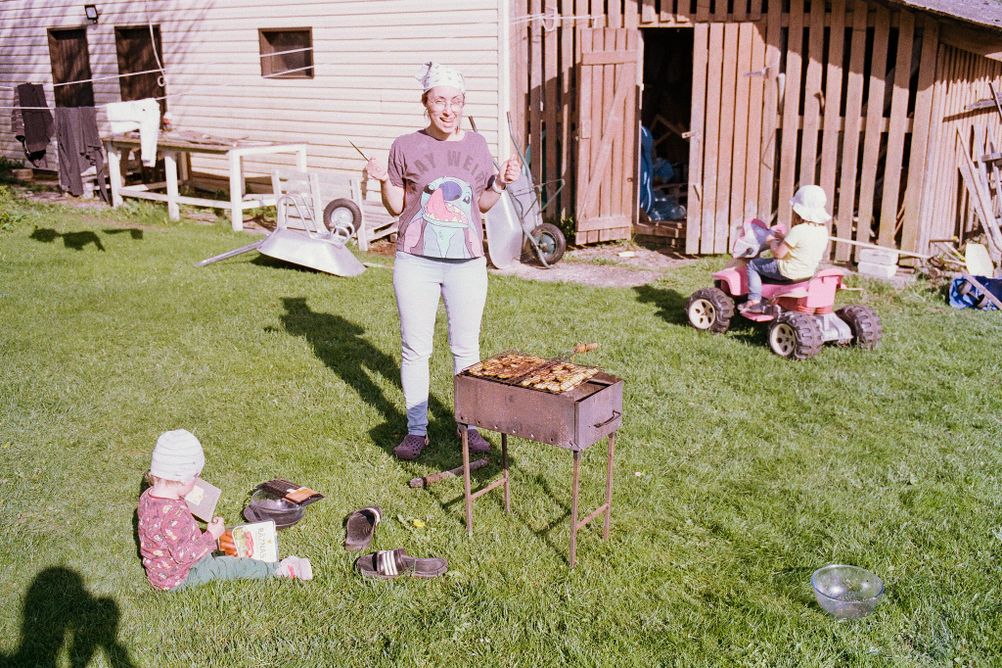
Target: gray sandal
391, 564
360, 527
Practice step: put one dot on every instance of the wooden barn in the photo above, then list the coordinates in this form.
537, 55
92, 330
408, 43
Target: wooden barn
871, 99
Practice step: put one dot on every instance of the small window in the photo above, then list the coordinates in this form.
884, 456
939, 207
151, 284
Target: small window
287, 53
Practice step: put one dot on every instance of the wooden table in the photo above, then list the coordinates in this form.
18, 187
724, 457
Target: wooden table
183, 144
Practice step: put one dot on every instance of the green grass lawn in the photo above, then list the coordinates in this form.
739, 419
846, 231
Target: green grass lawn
737, 473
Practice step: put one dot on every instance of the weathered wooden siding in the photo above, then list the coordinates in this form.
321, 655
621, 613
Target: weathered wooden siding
858, 96
366, 53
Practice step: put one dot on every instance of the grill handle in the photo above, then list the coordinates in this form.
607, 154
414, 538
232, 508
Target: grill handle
615, 414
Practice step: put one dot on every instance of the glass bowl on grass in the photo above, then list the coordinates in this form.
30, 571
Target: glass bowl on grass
846, 592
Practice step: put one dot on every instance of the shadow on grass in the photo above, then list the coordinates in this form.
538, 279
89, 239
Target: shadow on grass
134, 232
670, 304
74, 240
59, 610
671, 308
342, 346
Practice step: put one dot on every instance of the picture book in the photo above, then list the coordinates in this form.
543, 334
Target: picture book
257, 541
304, 496
202, 499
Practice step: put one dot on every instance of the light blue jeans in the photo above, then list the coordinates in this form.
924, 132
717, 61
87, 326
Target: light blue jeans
757, 269
418, 282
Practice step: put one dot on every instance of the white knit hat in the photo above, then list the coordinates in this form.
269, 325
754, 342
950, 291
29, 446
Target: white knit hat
177, 456
433, 74
810, 203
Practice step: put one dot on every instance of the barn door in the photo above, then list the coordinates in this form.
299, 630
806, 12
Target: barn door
608, 77
70, 62
731, 135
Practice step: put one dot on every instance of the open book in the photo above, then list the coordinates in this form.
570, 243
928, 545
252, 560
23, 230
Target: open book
257, 541
202, 499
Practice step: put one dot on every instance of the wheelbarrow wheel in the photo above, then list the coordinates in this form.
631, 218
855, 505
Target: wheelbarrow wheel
342, 213
551, 242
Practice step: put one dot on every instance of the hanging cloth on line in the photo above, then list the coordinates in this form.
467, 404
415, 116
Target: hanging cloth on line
79, 148
142, 115
32, 127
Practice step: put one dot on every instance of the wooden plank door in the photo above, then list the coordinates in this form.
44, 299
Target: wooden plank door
608, 134
134, 47
727, 165
70, 60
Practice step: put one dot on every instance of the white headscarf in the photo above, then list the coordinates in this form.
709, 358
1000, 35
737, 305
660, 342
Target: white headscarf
433, 74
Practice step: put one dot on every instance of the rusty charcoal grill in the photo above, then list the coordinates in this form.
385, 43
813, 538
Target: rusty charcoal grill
575, 420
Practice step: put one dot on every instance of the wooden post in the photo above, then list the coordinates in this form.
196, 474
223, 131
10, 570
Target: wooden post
115, 173
236, 191
170, 171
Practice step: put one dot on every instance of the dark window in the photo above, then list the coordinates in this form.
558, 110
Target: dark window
71, 62
277, 63
135, 48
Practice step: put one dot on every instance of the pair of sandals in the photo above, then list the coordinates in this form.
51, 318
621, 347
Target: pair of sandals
385, 564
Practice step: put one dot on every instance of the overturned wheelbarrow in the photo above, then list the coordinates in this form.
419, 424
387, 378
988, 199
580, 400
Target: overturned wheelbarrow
319, 246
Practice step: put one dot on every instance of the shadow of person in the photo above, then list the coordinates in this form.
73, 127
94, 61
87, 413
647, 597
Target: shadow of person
59, 610
342, 346
670, 304
74, 240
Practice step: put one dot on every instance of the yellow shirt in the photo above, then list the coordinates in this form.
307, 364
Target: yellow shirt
807, 243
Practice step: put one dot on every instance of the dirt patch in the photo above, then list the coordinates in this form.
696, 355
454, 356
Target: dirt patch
609, 266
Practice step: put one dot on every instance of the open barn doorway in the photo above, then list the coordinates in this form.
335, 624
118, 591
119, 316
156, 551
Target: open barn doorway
664, 147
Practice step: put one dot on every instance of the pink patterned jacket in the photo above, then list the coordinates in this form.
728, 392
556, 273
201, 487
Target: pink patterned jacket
169, 540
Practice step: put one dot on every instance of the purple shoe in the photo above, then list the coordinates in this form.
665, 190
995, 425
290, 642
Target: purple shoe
477, 442
411, 446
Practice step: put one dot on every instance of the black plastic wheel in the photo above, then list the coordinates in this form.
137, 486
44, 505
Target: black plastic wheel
342, 213
551, 242
710, 310
864, 323
795, 336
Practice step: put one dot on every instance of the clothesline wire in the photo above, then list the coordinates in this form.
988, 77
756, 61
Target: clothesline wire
111, 76
164, 97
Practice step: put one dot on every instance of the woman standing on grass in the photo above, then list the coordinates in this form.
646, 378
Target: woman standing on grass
439, 181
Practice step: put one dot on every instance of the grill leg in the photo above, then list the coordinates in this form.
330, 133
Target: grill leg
575, 476
504, 469
466, 478
608, 485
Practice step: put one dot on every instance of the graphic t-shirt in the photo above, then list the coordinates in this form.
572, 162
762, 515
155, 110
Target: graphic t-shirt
442, 182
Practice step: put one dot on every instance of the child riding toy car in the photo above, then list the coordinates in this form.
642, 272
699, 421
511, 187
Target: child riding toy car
800, 313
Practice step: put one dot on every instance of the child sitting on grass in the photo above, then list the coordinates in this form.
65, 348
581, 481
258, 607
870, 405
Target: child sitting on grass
796, 256
176, 553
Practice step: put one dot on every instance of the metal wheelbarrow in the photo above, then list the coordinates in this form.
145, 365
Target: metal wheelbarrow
517, 219
321, 246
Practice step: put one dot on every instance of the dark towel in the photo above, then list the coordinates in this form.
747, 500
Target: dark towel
37, 123
79, 147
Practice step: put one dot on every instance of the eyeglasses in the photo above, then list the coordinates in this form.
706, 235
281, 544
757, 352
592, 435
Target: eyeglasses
440, 103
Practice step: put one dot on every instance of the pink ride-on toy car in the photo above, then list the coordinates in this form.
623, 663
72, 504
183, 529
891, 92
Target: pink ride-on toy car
801, 318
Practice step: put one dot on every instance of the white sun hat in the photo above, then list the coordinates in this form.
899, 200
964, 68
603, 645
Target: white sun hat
435, 74
177, 456
810, 203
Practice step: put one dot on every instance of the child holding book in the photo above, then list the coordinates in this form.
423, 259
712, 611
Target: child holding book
176, 553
